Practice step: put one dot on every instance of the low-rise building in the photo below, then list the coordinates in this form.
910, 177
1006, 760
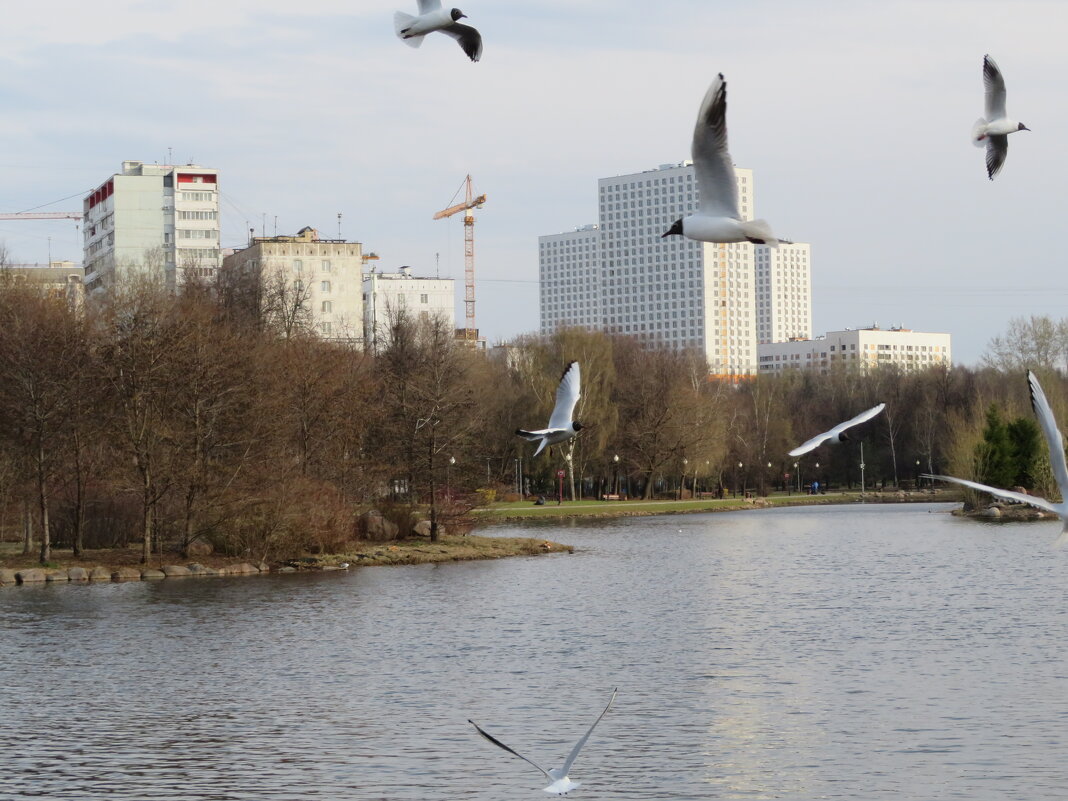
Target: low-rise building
384, 294
302, 282
860, 348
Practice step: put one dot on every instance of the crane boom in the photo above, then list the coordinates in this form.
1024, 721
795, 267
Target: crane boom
470, 202
43, 215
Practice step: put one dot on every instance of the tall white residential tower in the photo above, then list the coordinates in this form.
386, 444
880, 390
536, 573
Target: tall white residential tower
623, 276
160, 217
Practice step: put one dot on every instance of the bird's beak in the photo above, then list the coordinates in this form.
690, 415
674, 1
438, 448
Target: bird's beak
1024, 127
463, 16
666, 233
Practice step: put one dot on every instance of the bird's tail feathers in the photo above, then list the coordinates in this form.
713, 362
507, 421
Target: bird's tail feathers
1062, 540
541, 447
759, 230
979, 132
402, 21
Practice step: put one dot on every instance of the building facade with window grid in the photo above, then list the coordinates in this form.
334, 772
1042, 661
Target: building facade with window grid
422, 298
783, 292
325, 276
160, 217
859, 348
623, 276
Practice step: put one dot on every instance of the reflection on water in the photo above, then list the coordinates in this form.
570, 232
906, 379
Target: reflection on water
861, 652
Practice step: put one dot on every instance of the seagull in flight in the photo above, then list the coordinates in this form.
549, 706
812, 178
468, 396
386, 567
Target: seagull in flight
838, 433
1056, 462
432, 17
993, 128
561, 426
560, 784
717, 218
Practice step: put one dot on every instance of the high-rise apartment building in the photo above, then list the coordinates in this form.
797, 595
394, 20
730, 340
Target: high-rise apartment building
784, 292
303, 281
623, 276
160, 217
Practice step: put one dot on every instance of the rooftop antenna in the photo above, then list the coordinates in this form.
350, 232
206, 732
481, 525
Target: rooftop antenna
437, 265
170, 157
339, 225
263, 224
276, 225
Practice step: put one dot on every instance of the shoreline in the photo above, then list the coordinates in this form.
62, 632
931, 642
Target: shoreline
525, 510
123, 564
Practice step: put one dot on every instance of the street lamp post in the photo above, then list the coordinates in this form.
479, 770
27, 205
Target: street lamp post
682, 481
448, 470
917, 474
817, 473
737, 479
766, 474
862, 466
797, 472
615, 480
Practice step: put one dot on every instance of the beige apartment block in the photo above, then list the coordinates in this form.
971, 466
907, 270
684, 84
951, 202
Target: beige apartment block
304, 281
385, 294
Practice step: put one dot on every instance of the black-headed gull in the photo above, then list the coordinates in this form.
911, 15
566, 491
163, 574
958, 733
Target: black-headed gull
838, 433
561, 426
717, 218
432, 17
560, 783
993, 128
1056, 462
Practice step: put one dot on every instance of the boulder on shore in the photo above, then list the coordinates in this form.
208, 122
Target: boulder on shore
374, 527
77, 574
199, 548
57, 575
100, 574
8, 577
173, 571
242, 569
152, 573
30, 576
422, 528
126, 574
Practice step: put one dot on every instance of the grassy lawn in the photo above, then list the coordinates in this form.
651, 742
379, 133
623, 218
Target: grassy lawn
525, 509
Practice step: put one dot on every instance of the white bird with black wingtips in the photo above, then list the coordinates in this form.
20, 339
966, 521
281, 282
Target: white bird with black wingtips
560, 782
838, 433
432, 17
993, 128
717, 218
1055, 441
561, 426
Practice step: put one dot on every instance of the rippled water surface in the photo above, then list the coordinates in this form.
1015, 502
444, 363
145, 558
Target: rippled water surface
861, 652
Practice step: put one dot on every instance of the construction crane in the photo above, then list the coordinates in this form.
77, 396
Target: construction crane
470, 202
43, 215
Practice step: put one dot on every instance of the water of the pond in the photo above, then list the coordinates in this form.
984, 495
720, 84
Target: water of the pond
852, 652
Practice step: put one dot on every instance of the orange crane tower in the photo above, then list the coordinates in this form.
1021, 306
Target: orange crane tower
470, 202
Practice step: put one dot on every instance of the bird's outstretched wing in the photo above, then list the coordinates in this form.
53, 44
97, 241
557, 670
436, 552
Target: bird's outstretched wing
812, 444
426, 6
716, 183
567, 396
860, 418
994, 86
997, 148
819, 439
470, 39
1009, 495
578, 746
1054, 439
499, 744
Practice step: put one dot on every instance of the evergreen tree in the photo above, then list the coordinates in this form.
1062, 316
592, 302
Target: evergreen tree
993, 456
1024, 442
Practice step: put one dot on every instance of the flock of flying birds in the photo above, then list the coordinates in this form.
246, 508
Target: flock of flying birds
717, 219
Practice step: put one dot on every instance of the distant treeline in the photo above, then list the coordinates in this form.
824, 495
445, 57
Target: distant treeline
167, 419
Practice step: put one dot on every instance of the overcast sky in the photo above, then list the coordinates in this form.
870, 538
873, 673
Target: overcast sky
854, 117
